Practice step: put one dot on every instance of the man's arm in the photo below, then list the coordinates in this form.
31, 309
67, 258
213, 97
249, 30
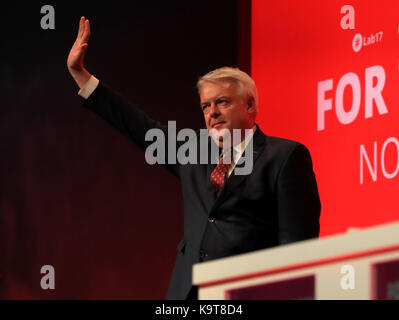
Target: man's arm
127, 118
298, 198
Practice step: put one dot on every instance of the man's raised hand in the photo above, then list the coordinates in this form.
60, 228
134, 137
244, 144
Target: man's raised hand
76, 55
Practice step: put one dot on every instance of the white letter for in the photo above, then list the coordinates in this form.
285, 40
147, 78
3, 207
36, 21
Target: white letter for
384, 172
47, 21
48, 280
348, 20
352, 80
363, 154
374, 93
348, 280
323, 104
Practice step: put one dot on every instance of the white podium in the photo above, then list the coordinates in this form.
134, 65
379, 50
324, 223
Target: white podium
359, 264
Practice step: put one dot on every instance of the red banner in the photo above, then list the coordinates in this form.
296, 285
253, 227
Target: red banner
328, 76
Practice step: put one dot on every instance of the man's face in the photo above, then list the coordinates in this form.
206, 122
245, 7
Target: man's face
224, 108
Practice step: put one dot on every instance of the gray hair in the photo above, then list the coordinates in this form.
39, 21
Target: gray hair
244, 82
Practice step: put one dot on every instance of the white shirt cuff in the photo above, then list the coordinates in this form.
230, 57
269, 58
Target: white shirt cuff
89, 87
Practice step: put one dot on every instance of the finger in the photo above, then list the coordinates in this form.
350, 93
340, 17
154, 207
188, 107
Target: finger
86, 33
81, 27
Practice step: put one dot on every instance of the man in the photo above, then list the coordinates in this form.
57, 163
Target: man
224, 213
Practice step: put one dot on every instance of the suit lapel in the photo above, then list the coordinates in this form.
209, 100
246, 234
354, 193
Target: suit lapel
234, 180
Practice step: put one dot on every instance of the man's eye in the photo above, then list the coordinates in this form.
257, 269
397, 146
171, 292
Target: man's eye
203, 107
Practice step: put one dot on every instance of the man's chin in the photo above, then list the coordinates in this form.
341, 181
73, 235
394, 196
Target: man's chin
219, 135
220, 126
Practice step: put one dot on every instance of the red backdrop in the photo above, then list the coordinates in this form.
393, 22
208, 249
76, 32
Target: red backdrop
336, 90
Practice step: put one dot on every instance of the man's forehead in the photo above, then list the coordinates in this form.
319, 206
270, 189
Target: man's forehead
214, 89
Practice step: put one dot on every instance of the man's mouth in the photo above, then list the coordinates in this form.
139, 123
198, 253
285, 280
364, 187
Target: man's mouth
217, 124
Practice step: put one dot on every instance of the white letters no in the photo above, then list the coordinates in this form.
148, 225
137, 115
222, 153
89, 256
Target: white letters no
364, 157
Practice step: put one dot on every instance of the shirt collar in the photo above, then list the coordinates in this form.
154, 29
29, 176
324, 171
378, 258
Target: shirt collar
240, 147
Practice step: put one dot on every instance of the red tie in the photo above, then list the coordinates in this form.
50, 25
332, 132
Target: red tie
219, 173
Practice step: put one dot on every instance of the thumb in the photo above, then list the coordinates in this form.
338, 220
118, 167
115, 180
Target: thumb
83, 49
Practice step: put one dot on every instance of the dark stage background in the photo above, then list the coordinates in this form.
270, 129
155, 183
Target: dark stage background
74, 193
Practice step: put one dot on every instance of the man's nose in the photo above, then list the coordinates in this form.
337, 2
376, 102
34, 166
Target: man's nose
214, 110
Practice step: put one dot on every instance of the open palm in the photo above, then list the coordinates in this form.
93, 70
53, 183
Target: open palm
77, 54
79, 48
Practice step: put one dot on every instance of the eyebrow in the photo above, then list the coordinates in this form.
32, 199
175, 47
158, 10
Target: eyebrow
222, 97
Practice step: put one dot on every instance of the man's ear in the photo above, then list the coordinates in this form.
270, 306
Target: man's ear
251, 102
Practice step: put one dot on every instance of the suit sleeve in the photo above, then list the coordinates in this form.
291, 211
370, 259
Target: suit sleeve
298, 199
127, 118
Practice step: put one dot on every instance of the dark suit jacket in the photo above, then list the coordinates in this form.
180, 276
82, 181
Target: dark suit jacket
277, 203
